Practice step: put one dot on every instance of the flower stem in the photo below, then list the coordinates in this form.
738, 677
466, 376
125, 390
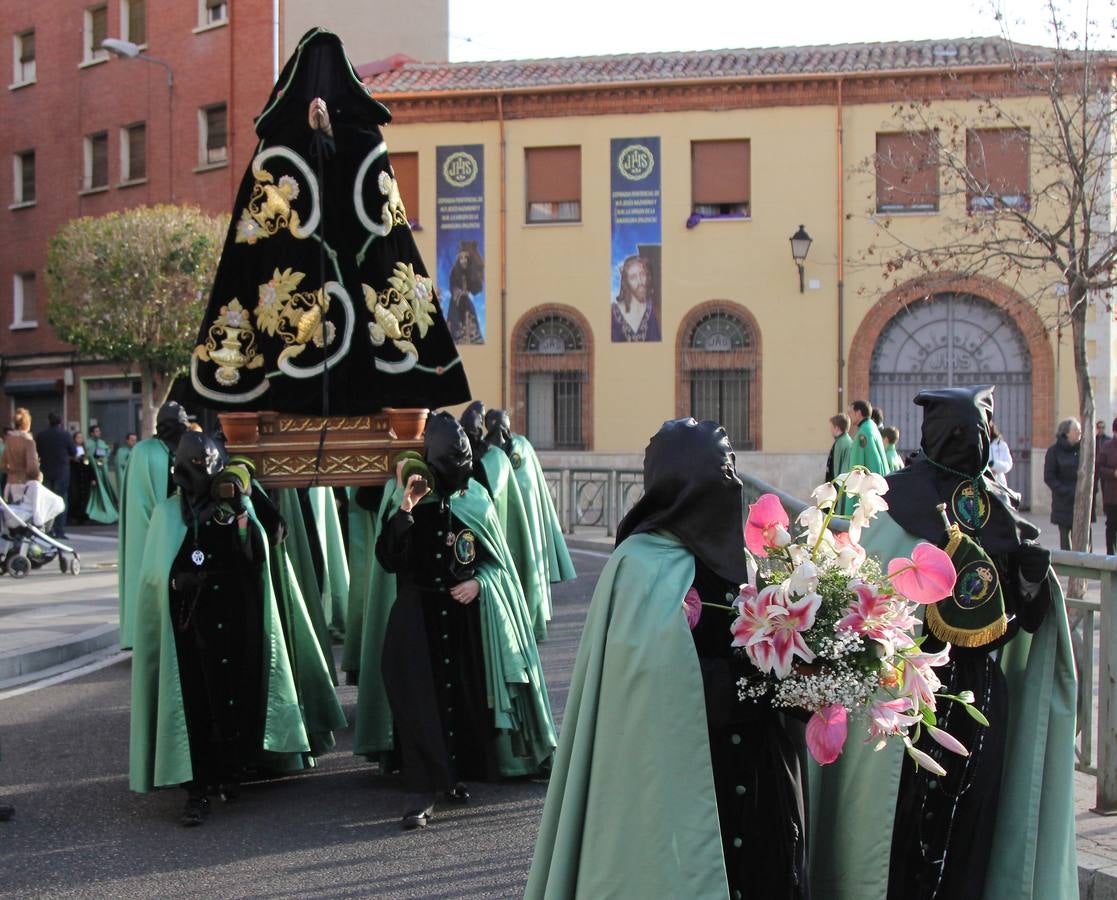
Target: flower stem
720, 606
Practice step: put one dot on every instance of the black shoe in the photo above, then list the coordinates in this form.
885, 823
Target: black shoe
195, 811
6, 812
418, 816
458, 793
228, 792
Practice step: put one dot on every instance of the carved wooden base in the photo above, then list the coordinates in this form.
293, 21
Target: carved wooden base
357, 450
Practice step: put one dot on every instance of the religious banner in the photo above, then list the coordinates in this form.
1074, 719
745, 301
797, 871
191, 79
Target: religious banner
460, 273
637, 229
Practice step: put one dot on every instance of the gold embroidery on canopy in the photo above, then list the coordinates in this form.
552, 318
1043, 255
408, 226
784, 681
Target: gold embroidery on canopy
232, 329
405, 305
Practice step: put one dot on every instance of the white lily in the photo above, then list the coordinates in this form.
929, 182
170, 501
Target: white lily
804, 580
824, 495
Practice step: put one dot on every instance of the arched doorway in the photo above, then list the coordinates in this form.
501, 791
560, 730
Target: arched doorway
719, 370
956, 339
552, 366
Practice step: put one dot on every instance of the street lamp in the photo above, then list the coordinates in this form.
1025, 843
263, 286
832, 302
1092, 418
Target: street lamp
800, 247
131, 50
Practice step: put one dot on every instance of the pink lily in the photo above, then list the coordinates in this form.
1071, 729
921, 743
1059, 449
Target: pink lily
826, 734
925, 578
876, 616
692, 606
920, 682
766, 526
850, 554
946, 739
921, 759
887, 717
774, 622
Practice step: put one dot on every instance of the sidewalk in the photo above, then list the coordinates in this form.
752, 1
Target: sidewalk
50, 622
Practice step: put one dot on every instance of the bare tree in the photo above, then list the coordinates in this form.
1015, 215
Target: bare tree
1023, 176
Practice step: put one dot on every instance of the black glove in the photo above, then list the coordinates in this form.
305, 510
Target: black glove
1033, 561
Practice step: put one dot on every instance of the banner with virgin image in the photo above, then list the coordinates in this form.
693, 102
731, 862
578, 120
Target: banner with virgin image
637, 238
460, 240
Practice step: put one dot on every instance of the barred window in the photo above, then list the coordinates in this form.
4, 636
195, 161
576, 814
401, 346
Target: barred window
552, 362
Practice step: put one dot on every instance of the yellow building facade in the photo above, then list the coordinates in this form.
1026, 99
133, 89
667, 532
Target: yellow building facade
737, 333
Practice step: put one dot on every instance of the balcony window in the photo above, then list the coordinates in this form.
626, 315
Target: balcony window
907, 173
96, 30
720, 185
554, 184
997, 160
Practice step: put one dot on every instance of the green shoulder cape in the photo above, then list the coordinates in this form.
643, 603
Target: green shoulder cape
297, 549
361, 544
159, 746
526, 553
145, 487
868, 448
631, 810
102, 498
514, 685
541, 510
853, 801
119, 467
335, 587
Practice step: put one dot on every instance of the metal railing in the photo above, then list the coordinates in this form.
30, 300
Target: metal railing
600, 497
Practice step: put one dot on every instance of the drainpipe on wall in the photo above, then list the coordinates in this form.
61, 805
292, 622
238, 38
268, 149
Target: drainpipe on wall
840, 148
503, 256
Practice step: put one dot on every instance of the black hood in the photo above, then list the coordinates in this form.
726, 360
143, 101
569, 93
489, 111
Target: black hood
447, 454
197, 460
956, 427
473, 424
498, 429
170, 423
691, 490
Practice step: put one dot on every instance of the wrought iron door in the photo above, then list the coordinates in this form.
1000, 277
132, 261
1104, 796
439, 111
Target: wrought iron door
955, 340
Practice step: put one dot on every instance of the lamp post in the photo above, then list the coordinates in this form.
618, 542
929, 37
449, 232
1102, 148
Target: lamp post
800, 247
130, 50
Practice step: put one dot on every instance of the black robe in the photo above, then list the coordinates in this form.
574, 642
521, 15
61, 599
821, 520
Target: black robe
321, 303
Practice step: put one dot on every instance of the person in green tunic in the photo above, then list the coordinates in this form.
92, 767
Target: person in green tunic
335, 565
837, 462
363, 505
101, 507
546, 530
665, 783
868, 448
1000, 824
147, 483
119, 462
492, 469
890, 436
212, 685
451, 687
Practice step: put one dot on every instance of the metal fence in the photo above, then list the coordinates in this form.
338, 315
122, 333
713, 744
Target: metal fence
598, 497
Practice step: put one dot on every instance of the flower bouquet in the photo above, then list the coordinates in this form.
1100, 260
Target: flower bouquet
832, 634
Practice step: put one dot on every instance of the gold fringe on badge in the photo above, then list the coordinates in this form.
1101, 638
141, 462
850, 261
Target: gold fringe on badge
964, 637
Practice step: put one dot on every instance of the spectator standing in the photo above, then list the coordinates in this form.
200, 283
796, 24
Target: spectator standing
21, 459
1060, 472
80, 477
868, 448
890, 437
1000, 457
1106, 467
56, 449
838, 460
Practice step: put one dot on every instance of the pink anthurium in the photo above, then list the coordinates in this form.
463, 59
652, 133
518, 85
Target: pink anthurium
692, 606
826, 734
767, 525
925, 578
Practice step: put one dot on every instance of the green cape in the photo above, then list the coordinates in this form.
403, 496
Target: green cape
297, 549
868, 448
843, 447
145, 487
514, 686
892, 458
526, 554
853, 801
119, 467
335, 587
102, 498
160, 747
631, 809
541, 511
361, 555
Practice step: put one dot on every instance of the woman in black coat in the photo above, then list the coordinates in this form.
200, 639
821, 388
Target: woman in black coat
1060, 472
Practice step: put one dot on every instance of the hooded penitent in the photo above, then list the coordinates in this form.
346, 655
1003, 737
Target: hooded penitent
447, 454
498, 429
691, 490
321, 303
197, 461
171, 423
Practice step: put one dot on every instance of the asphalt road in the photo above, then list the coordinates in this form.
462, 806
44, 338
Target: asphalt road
332, 832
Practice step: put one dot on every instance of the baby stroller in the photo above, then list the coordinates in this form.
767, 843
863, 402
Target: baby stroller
24, 527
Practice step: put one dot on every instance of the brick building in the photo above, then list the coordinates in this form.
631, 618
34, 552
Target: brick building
88, 132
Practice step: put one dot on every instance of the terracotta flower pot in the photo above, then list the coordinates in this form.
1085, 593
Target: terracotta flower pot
240, 427
407, 424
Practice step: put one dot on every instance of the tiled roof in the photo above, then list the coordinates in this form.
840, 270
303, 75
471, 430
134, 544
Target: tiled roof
941, 55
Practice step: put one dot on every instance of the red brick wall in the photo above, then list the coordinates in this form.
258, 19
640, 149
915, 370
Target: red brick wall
231, 64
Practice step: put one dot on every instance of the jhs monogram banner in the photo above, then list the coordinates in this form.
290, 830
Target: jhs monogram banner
637, 229
460, 240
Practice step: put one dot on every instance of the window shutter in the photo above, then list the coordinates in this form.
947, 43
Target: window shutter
137, 22
720, 172
27, 177
998, 160
406, 168
27, 47
28, 291
554, 174
907, 172
99, 20
137, 152
215, 128
99, 175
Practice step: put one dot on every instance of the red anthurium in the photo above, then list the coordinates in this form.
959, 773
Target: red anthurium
766, 525
925, 578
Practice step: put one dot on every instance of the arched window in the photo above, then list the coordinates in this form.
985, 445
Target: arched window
552, 362
719, 370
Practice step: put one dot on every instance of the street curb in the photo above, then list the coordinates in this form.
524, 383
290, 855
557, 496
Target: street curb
603, 545
49, 656
1098, 883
